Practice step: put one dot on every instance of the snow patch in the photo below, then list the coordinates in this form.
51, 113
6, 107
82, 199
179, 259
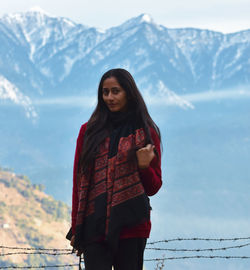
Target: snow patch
235, 59
166, 97
9, 91
68, 64
172, 96
69, 22
146, 18
98, 56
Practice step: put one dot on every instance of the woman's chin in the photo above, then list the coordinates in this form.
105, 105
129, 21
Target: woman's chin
114, 109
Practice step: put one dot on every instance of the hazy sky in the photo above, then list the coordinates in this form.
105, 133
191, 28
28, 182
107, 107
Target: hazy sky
221, 15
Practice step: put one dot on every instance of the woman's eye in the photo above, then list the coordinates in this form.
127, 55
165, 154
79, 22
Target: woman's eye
105, 92
115, 91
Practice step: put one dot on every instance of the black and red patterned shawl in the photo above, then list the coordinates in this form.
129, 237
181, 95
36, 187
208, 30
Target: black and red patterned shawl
112, 197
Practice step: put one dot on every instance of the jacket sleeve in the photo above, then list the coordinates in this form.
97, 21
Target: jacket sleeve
151, 176
75, 199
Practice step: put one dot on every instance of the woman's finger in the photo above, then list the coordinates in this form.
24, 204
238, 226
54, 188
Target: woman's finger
148, 146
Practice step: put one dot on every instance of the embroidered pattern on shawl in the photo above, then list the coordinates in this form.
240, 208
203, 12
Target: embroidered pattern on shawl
115, 196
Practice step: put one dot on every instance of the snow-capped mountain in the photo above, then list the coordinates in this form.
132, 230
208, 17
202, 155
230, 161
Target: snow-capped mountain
43, 40
48, 56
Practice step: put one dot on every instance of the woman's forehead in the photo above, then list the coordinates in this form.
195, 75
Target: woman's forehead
110, 82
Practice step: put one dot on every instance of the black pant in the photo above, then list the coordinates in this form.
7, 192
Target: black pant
128, 256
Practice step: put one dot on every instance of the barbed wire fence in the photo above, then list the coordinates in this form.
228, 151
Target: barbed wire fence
10, 251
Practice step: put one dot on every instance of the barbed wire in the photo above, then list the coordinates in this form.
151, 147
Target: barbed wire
64, 251
198, 250
37, 253
38, 248
199, 239
57, 252
197, 257
149, 243
37, 267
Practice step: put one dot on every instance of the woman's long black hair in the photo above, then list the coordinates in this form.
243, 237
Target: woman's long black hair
97, 126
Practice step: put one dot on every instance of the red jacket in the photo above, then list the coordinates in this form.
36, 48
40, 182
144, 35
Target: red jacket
150, 177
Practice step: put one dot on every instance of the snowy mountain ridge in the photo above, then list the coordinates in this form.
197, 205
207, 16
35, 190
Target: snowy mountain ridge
48, 55
35, 29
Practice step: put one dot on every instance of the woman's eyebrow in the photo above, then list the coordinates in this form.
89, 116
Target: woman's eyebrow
115, 87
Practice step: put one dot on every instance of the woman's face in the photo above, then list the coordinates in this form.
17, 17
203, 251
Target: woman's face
114, 95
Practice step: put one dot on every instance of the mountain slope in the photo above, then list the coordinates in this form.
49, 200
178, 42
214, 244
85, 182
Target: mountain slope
48, 55
11, 93
31, 219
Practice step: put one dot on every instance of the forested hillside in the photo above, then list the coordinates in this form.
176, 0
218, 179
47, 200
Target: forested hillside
29, 218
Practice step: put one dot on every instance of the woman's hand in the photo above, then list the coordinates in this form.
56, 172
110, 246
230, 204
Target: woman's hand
145, 156
72, 241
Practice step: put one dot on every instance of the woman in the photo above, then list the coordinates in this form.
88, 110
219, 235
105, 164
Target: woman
116, 167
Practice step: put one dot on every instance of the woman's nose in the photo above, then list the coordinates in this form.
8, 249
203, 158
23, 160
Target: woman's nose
110, 96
